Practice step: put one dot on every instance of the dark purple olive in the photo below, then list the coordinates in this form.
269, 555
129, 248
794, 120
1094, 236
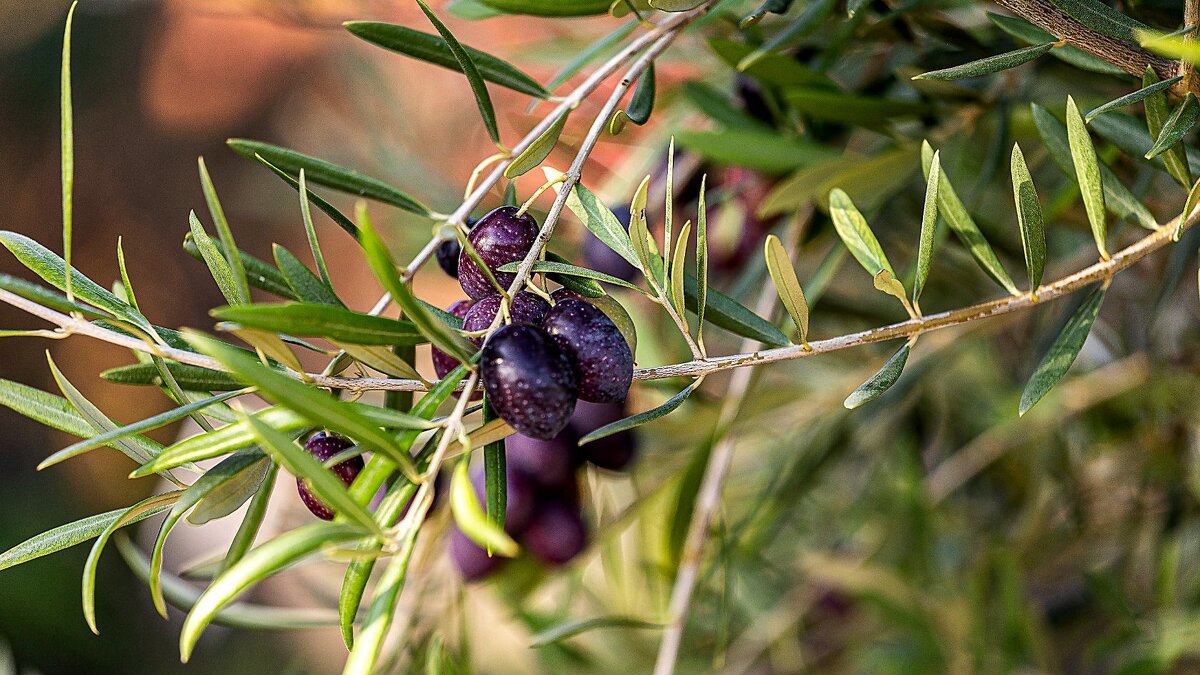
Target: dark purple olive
556, 534
550, 464
520, 498
324, 446
530, 382
603, 362
447, 253
601, 258
473, 562
499, 238
525, 308
613, 452
443, 363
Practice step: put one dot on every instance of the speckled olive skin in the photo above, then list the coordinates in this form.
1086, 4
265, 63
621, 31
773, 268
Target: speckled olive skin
323, 446
529, 380
500, 237
525, 308
556, 534
603, 362
443, 363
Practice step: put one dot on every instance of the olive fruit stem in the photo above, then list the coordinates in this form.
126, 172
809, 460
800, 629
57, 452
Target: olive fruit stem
538, 193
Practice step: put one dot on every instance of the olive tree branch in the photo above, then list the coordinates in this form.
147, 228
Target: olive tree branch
1097, 272
1125, 55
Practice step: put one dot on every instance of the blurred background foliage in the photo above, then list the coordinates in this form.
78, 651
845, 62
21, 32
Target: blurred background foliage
930, 531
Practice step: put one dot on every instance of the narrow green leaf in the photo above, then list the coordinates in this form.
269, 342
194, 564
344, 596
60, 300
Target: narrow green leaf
725, 312
67, 149
47, 297
228, 246
1175, 158
259, 274
550, 7
310, 231
65, 536
809, 20
641, 105
1119, 200
1062, 353
538, 150
238, 615
989, 65
597, 218
880, 382
593, 51
1027, 32
467, 65
471, 519
330, 175
220, 475
190, 378
669, 205
929, 216
307, 286
53, 411
1177, 125
1087, 172
495, 475
380, 358
235, 490
570, 629
308, 402
258, 564
322, 481
384, 268
335, 323
961, 223
677, 269
434, 49
52, 269
218, 267
252, 522
330, 210
1029, 218
886, 282
642, 417
589, 288
567, 269
136, 447
787, 285
379, 614
154, 504
701, 262
1131, 98
111, 437
852, 227
676, 5
771, 151
222, 441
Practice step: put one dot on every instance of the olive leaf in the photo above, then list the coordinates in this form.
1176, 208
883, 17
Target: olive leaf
218, 267
641, 418
265, 343
963, 225
570, 629
538, 150
787, 285
701, 262
593, 51
1131, 98
190, 378
67, 149
1029, 219
725, 312
598, 219
1027, 32
256, 512
1102, 18
550, 7
307, 286
1181, 121
471, 519
327, 174
259, 563
1117, 198
228, 246
467, 65
68, 535
881, 381
929, 216
434, 49
676, 5
47, 297
676, 287
886, 282
809, 20
989, 65
1087, 172
380, 358
310, 231
563, 269
335, 323
1062, 353
495, 474
330, 210
641, 105
856, 234
1175, 157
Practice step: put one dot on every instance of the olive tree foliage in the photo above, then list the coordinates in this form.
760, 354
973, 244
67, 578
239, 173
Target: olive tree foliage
1048, 133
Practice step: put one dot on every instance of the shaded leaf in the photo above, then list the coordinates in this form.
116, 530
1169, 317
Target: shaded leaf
641, 105
725, 312
190, 378
467, 65
228, 246
433, 49
218, 267
335, 323
550, 7
1087, 172
1102, 18
787, 285
1029, 219
598, 219
1131, 98
880, 382
856, 234
1027, 32
65, 536
471, 518
567, 269
570, 629
929, 216
1062, 353
1177, 125
307, 286
1175, 158
258, 273
768, 151
641, 418
989, 65
538, 150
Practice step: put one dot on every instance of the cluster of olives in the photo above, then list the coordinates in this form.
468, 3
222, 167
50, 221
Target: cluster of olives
546, 358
